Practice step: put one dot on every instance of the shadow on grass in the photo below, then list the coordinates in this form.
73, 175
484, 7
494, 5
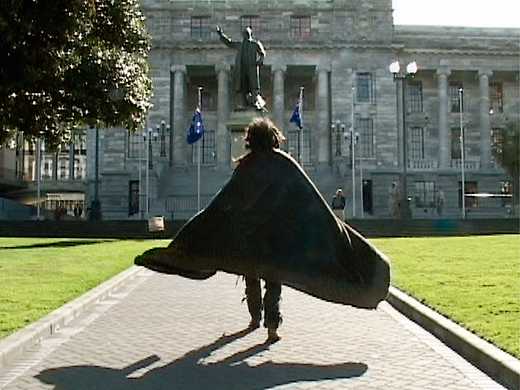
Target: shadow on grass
57, 244
188, 372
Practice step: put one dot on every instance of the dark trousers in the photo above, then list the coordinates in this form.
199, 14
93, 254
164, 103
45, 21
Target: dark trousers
271, 302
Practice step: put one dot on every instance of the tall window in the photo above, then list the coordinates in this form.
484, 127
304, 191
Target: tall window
455, 143
496, 97
162, 133
300, 27
135, 142
365, 128
160, 24
415, 96
364, 87
133, 197
416, 143
252, 21
200, 27
293, 142
209, 154
497, 141
470, 187
424, 194
453, 93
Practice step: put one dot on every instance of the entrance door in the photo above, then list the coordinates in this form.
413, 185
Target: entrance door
367, 197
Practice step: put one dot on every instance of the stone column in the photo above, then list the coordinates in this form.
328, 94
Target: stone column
279, 94
179, 109
321, 139
172, 109
222, 138
71, 161
485, 128
444, 136
55, 159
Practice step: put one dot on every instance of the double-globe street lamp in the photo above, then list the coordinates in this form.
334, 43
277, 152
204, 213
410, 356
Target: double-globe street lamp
411, 70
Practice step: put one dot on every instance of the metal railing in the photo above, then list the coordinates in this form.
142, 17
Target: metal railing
423, 164
185, 204
471, 165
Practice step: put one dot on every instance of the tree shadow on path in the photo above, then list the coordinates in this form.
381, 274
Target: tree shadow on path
57, 244
188, 372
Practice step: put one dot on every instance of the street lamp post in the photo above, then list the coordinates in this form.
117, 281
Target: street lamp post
147, 136
411, 70
38, 176
462, 168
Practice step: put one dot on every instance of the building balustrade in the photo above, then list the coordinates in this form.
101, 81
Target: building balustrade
471, 165
423, 164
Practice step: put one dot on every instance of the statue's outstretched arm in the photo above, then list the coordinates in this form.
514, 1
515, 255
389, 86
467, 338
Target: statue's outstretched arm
225, 39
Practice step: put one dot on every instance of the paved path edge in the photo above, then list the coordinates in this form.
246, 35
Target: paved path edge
499, 365
16, 344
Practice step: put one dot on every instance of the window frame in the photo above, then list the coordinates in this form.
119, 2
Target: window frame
247, 20
300, 27
414, 101
200, 31
454, 97
425, 194
369, 88
133, 188
366, 141
208, 148
416, 137
496, 96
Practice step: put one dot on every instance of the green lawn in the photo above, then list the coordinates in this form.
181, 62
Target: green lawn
473, 280
40, 275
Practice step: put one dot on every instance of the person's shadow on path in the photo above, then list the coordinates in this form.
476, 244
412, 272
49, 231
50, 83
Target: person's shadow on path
188, 372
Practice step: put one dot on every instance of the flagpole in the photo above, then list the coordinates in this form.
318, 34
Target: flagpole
300, 129
199, 106
461, 124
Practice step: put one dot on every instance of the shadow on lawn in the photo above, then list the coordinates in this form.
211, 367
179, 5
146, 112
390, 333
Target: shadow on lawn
57, 244
188, 372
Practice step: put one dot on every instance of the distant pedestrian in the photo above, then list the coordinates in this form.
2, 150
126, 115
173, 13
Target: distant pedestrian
394, 204
440, 203
338, 204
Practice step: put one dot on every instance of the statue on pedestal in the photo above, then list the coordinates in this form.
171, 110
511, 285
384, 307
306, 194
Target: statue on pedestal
246, 75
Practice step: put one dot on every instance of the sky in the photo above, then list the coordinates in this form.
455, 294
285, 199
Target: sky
474, 13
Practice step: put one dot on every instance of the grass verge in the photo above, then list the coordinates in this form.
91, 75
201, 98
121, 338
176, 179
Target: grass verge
475, 281
38, 275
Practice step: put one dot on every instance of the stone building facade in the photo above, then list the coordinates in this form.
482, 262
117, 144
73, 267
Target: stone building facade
339, 52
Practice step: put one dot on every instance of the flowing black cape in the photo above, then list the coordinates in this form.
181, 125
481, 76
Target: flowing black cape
270, 221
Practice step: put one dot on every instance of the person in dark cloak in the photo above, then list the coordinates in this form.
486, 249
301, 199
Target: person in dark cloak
262, 137
246, 76
270, 222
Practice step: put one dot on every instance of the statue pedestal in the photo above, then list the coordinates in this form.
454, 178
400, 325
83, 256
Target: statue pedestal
236, 124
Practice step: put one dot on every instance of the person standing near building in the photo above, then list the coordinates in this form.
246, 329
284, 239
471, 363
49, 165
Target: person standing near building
338, 204
440, 202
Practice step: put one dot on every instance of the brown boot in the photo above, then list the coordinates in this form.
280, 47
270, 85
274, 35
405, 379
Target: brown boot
253, 324
272, 335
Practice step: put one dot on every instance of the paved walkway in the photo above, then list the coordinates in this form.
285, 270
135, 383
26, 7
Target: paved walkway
165, 332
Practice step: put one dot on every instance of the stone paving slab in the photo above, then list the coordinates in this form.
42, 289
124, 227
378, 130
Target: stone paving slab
165, 332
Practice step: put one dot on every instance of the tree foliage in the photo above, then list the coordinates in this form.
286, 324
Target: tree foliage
72, 62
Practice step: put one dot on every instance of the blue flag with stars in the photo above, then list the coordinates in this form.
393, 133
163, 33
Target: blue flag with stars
296, 116
196, 130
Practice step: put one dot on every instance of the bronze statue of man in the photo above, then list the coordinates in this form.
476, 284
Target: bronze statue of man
246, 76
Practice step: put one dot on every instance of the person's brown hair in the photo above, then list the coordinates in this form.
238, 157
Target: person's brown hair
262, 135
